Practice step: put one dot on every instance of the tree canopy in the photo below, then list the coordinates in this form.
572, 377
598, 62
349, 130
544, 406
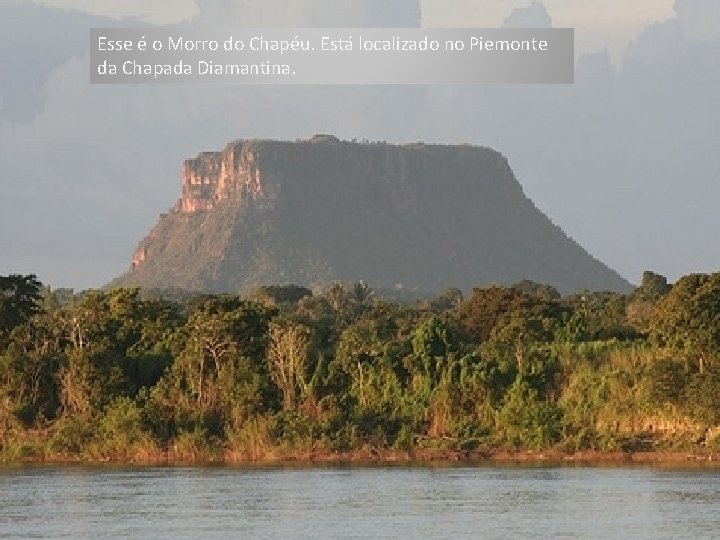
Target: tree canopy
124, 373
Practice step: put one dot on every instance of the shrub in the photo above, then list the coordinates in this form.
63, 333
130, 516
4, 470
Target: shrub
71, 435
526, 421
121, 433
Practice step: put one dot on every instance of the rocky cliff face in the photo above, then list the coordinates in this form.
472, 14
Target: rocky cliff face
308, 212
213, 177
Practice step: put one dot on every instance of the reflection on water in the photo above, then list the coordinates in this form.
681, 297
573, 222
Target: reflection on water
488, 502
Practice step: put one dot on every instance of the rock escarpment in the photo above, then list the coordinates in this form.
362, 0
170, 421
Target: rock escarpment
308, 212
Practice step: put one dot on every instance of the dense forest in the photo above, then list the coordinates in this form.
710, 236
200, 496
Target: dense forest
289, 373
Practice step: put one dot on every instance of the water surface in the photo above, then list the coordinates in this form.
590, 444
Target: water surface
351, 502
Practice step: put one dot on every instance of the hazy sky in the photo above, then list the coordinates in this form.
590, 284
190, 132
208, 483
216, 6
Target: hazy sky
610, 24
626, 161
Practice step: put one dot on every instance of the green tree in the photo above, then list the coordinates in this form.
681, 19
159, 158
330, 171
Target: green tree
485, 308
450, 298
688, 319
29, 369
528, 421
652, 287
117, 342
368, 360
643, 301
218, 378
20, 298
287, 357
273, 295
434, 342
603, 314
540, 291
216, 335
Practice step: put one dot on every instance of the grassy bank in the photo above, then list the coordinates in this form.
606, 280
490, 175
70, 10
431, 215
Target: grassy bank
437, 456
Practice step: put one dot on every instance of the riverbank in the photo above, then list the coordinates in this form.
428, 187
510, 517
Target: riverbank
372, 457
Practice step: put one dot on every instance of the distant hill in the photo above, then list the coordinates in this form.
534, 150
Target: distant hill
416, 216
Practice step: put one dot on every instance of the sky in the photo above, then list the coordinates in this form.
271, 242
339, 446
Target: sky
626, 161
610, 24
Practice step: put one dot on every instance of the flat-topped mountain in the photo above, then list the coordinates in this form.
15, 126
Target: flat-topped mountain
423, 216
